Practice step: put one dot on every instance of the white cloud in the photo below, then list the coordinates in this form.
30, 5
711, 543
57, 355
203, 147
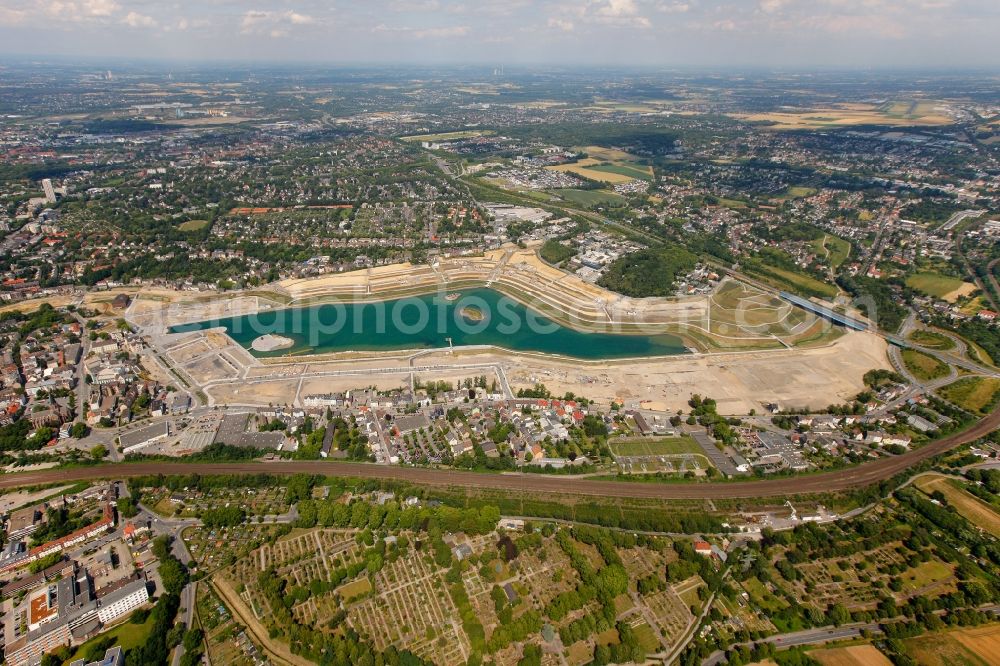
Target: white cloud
673, 7
560, 24
9, 16
76, 12
618, 8
444, 32
100, 7
878, 25
438, 33
623, 13
414, 5
137, 20
275, 24
771, 6
710, 31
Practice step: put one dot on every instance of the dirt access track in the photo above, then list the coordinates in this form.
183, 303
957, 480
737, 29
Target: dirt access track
845, 479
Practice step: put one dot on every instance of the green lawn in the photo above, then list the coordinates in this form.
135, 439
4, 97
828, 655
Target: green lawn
976, 394
735, 204
126, 635
932, 340
835, 248
934, 284
793, 281
646, 637
762, 597
797, 192
923, 366
536, 195
924, 574
193, 225
354, 589
640, 173
655, 446
977, 353
589, 198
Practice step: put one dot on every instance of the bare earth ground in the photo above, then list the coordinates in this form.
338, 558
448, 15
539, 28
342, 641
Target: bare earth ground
738, 381
32, 304
966, 289
746, 331
854, 655
737, 317
978, 645
927, 113
18, 498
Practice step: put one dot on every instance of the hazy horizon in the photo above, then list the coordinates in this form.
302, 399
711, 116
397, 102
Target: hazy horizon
787, 34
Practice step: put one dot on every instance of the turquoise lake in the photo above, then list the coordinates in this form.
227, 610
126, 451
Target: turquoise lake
477, 317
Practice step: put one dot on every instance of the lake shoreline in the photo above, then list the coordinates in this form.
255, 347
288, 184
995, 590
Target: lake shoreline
479, 317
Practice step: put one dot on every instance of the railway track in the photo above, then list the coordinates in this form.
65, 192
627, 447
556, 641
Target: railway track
536, 484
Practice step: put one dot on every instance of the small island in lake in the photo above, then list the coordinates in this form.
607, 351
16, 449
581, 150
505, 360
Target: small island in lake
471, 313
269, 343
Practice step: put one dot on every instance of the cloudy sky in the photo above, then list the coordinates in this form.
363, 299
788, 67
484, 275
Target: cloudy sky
786, 33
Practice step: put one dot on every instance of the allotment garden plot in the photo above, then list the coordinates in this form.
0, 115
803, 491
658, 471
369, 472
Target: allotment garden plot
449, 596
225, 640
659, 454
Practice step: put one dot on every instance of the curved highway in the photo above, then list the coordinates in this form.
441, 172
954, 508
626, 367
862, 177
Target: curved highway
845, 479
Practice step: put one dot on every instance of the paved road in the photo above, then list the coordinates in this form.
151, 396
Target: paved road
187, 604
820, 635
993, 281
965, 262
807, 637
855, 477
172, 527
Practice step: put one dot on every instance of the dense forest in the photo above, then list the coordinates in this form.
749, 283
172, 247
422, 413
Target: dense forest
928, 211
648, 272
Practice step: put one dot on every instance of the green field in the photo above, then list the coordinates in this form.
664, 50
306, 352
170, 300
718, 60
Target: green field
193, 225
536, 195
793, 281
972, 646
127, 635
354, 589
977, 353
735, 204
934, 284
589, 198
836, 249
797, 192
655, 446
922, 366
976, 394
925, 573
646, 637
762, 597
640, 173
932, 340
